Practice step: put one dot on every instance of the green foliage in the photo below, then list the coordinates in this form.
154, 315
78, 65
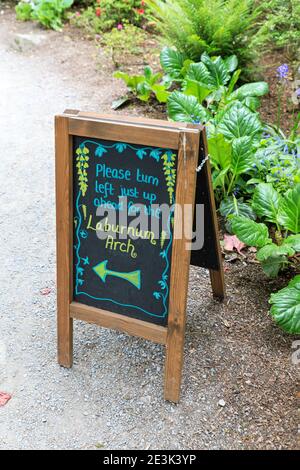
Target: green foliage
216, 27
237, 121
49, 13
279, 26
124, 42
208, 95
87, 20
250, 232
174, 63
284, 212
23, 11
232, 206
211, 81
186, 108
266, 202
277, 161
289, 210
285, 306
147, 85
105, 15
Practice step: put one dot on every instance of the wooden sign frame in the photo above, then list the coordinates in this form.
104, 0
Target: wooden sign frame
135, 131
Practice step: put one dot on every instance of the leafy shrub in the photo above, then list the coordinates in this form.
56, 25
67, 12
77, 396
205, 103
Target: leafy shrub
48, 13
209, 95
104, 15
122, 42
279, 26
277, 248
147, 85
24, 11
281, 211
87, 20
277, 161
217, 27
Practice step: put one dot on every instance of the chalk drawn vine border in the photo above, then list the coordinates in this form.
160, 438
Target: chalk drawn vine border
156, 154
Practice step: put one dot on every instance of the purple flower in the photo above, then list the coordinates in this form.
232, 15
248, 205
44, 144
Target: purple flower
282, 71
297, 92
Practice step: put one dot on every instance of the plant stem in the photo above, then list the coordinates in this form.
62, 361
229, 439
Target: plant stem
231, 184
279, 107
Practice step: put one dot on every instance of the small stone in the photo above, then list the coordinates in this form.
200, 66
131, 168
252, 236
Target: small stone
222, 403
27, 42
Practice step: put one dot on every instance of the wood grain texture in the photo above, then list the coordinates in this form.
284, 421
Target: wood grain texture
133, 133
64, 243
132, 326
117, 118
185, 194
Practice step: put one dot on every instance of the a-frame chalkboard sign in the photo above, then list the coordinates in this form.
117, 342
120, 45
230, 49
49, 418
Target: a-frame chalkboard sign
118, 273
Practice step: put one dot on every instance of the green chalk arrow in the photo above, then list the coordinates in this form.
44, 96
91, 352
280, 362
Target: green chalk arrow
134, 277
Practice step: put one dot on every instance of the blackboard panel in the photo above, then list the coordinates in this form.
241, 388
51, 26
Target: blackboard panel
207, 257
129, 277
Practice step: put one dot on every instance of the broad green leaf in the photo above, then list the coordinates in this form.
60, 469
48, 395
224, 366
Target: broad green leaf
289, 211
254, 181
273, 265
198, 82
217, 69
250, 89
185, 108
238, 121
143, 91
233, 81
295, 281
199, 73
252, 102
194, 88
123, 76
242, 155
233, 206
293, 241
172, 62
216, 95
286, 306
218, 177
152, 78
148, 72
250, 232
219, 151
231, 63
161, 93
266, 202
132, 81
274, 250
185, 67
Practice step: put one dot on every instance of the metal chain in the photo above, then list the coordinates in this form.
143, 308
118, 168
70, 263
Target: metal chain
199, 168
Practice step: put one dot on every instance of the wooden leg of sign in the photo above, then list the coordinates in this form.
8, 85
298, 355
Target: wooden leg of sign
217, 283
181, 255
64, 242
65, 341
174, 358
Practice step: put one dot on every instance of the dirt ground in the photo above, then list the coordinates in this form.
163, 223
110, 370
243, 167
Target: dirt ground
112, 397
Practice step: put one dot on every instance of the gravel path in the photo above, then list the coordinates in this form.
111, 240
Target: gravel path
112, 397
